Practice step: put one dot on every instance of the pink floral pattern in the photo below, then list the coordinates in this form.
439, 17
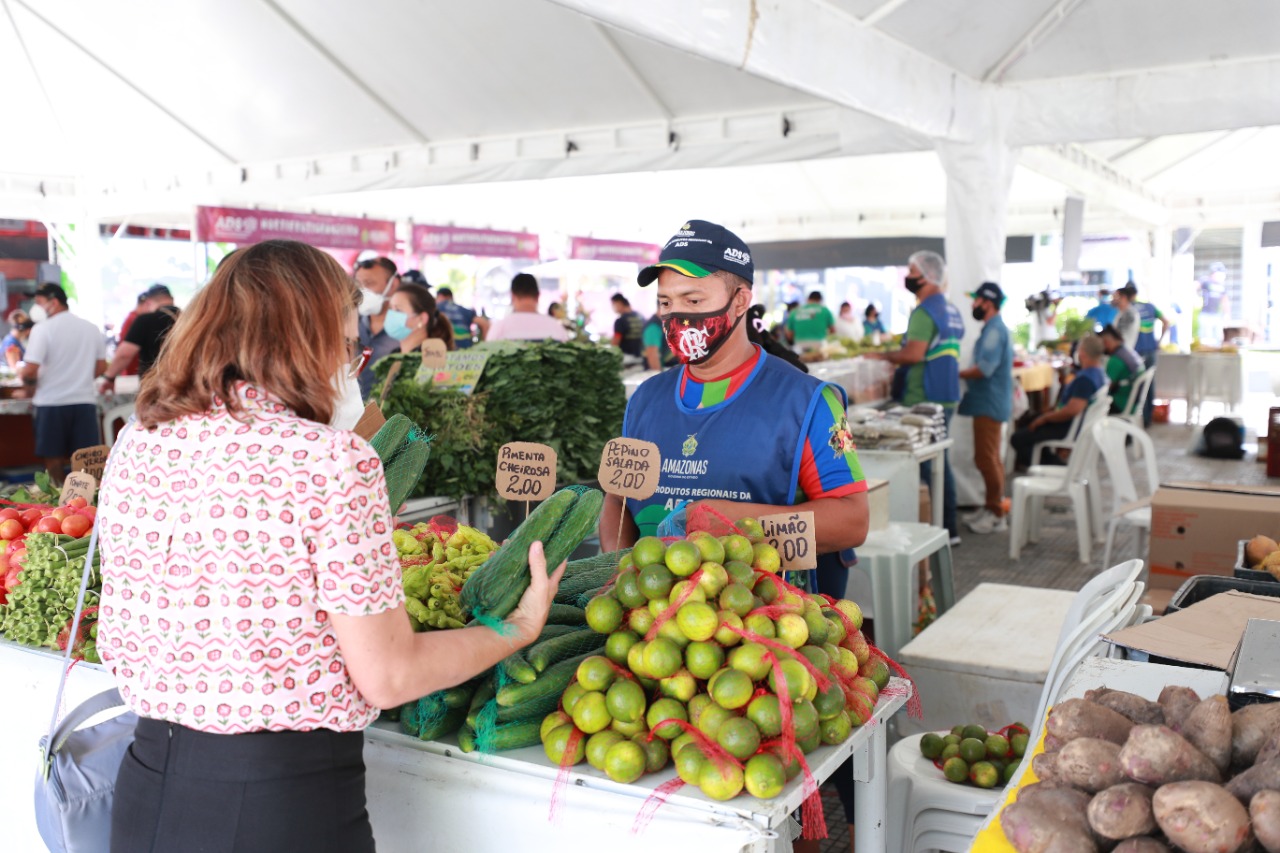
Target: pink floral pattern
225, 547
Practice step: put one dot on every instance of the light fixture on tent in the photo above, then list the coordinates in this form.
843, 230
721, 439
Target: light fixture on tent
673, 140
570, 147
786, 127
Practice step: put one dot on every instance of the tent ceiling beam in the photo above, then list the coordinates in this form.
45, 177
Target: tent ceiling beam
31, 63
882, 11
1099, 181
1191, 98
539, 153
809, 46
1132, 149
1227, 140
345, 70
142, 93
1049, 22
632, 71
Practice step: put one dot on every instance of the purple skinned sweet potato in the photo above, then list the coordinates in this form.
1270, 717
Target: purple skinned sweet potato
1157, 755
1201, 817
1122, 811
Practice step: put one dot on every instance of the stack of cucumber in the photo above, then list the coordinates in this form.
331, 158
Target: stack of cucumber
504, 708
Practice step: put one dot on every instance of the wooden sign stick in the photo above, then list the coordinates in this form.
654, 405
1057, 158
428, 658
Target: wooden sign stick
391, 378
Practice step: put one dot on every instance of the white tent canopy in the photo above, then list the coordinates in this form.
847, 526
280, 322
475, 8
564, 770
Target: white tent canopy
1160, 112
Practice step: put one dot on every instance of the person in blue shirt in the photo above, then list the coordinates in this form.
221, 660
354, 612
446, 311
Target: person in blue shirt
871, 322
988, 399
1104, 313
1075, 398
463, 319
14, 345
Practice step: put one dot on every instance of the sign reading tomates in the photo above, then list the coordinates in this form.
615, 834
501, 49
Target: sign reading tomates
240, 225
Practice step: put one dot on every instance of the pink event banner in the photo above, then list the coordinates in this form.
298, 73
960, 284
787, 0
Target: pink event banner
591, 249
238, 225
446, 240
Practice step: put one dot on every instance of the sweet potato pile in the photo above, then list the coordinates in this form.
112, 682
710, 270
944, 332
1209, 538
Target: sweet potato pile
1123, 774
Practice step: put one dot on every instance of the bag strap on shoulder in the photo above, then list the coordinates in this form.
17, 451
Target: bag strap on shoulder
54, 729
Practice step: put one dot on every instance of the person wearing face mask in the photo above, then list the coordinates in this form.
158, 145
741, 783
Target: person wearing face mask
257, 736
414, 317
735, 420
377, 280
931, 355
64, 354
988, 399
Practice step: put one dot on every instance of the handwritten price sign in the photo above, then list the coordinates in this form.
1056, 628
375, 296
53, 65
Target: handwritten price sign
794, 536
434, 355
79, 485
91, 460
629, 468
526, 471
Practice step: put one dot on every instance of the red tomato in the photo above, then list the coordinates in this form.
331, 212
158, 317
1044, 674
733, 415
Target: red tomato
9, 512
59, 513
48, 524
11, 528
89, 512
31, 516
15, 545
77, 503
76, 525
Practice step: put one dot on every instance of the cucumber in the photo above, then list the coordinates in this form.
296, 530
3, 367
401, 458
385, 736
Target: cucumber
581, 519
553, 682
484, 694
447, 725
549, 652
516, 668
390, 436
466, 739
494, 589
566, 614
510, 736
534, 709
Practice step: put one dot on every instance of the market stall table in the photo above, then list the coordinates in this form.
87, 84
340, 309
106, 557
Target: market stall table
1143, 679
427, 793
898, 467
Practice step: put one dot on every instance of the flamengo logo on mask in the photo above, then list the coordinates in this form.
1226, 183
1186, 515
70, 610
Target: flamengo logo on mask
737, 256
693, 342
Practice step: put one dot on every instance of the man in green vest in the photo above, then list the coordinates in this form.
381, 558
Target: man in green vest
931, 355
809, 324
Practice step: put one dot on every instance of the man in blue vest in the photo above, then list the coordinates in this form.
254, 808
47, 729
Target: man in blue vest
931, 353
740, 432
466, 323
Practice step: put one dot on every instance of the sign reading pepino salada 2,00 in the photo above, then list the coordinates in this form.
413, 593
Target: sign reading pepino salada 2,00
240, 225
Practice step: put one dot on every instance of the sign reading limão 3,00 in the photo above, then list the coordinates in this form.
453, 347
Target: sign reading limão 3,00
794, 537
630, 468
526, 471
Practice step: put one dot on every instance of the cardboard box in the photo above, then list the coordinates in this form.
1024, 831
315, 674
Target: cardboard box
1195, 527
877, 504
1205, 634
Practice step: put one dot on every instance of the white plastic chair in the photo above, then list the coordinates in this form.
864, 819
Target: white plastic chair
109, 418
1076, 480
1097, 408
1111, 435
1138, 393
926, 812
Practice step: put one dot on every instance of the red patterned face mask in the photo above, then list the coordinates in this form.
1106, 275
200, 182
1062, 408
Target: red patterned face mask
694, 338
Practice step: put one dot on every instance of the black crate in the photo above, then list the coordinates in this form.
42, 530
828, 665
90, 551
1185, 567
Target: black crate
1243, 571
1201, 587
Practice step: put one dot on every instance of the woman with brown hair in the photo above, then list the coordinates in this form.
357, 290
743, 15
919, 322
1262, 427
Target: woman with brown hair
414, 317
252, 608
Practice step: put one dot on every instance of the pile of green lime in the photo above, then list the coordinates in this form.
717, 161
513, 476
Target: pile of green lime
977, 756
697, 668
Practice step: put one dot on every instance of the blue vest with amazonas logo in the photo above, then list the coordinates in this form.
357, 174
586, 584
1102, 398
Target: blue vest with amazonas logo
746, 449
942, 359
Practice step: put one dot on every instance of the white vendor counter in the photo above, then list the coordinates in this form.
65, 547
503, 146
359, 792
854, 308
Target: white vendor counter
430, 794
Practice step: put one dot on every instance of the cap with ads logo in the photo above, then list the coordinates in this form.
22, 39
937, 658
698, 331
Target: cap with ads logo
700, 248
989, 290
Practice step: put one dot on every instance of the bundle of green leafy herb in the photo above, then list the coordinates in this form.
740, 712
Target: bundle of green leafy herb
566, 395
462, 432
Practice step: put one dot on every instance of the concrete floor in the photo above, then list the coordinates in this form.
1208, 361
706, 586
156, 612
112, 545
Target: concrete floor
1053, 562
